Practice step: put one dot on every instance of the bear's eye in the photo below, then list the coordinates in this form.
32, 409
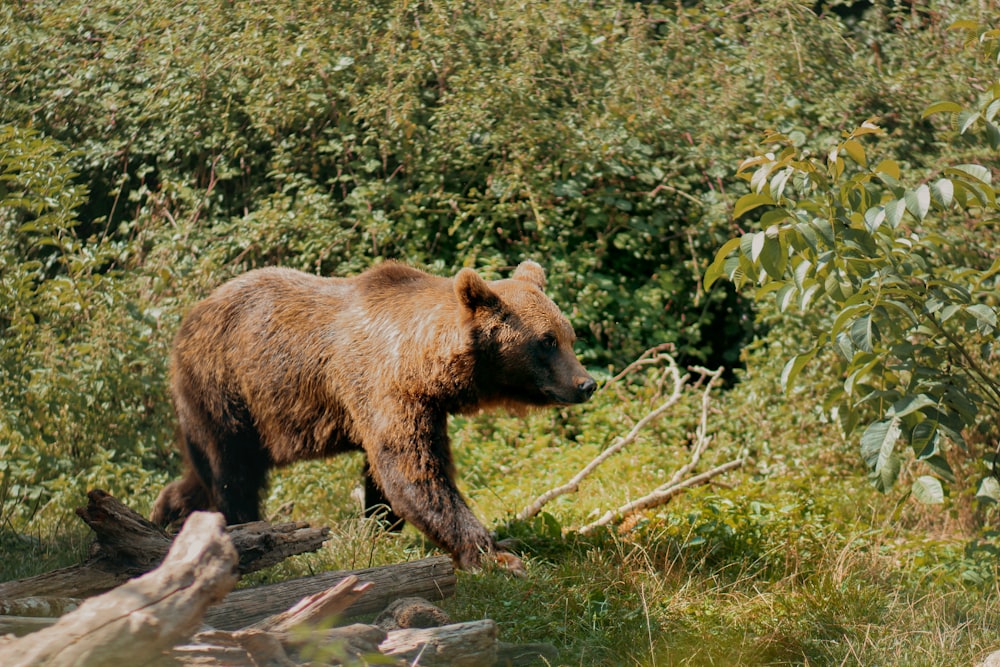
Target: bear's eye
549, 341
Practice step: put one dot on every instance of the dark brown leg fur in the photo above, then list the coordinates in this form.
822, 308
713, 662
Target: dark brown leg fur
414, 469
238, 476
377, 505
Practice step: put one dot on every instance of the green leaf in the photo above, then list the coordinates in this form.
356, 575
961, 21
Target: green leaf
977, 171
910, 404
793, 367
966, 120
845, 315
808, 293
749, 202
918, 201
986, 317
924, 439
874, 217
717, 268
943, 191
778, 183
894, 212
992, 135
785, 296
878, 450
928, 490
757, 243
856, 151
940, 466
774, 216
861, 333
989, 490
888, 168
993, 109
941, 107
903, 308
773, 257
804, 270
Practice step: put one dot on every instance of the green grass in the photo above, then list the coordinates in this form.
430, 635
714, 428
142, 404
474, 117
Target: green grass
793, 560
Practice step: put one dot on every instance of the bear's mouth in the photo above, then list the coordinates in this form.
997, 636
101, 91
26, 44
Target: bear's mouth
573, 396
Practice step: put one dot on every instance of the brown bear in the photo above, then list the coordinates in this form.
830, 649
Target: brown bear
278, 366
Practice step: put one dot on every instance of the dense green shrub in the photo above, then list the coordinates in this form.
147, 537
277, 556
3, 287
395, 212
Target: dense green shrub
200, 139
896, 272
82, 355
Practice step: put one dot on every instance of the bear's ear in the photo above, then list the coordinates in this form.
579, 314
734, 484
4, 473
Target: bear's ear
474, 293
531, 272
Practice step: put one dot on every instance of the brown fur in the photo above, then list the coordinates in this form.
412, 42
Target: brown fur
278, 366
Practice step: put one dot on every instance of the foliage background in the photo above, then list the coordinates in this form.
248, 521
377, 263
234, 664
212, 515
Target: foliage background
151, 151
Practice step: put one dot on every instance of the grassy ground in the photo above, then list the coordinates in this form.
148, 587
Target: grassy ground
793, 560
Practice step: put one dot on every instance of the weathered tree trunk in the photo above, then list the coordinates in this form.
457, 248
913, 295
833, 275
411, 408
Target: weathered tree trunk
128, 545
38, 606
293, 630
429, 578
216, 648
312, 611
135, 623
472, 644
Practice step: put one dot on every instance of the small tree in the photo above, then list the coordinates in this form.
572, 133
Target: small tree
891, 275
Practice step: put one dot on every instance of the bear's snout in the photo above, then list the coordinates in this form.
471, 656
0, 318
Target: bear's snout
583, 389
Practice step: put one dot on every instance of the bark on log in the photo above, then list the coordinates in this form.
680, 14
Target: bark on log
429, 578
472, 644
135, 623
38, 606
128, 545
313, 610
216, 648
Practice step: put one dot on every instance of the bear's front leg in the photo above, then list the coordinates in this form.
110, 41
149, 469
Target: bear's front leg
416, 477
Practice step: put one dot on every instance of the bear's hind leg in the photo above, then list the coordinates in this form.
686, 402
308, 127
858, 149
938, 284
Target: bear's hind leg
239, 476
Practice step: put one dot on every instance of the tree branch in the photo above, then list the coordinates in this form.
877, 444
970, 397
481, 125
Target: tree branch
619, 443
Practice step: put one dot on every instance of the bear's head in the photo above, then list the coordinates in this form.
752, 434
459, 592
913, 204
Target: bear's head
523, 344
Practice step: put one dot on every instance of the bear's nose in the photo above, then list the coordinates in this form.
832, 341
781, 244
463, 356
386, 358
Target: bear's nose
586, 387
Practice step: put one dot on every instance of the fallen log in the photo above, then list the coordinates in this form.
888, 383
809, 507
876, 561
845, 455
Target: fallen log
312, 611
136, 622
215, 648
472, 644
38, 606
127, 545
354, 641
429, 578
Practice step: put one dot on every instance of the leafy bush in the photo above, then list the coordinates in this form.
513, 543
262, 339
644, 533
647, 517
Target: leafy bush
900, 280
214, 138
81, 365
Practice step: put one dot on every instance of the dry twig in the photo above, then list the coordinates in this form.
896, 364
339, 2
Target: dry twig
683, 478
616, 446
